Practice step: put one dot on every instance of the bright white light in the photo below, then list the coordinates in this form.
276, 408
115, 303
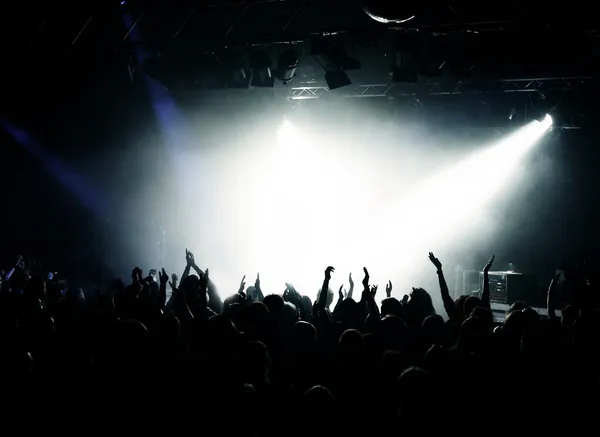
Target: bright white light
287, 134
438, 213
289, 209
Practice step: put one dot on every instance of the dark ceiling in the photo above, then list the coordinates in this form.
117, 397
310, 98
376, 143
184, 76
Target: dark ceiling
99, 31
458, 47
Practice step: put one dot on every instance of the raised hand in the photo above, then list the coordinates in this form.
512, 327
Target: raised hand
388, 289
189, 258
341, 292
488, 266
405, 299
373, 290
350, 280
257, 282
291, 295
173, 283
328, 271
436, 262
365, 281
163, 277
242, 284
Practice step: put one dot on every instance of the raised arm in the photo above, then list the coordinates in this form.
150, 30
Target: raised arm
17, 265
162, 289
551, 299
214, 300
388, 289
189, 260
257, 290
485, 292
322, 300
341, 297
255, 293
368, 296
351, 289
449, 305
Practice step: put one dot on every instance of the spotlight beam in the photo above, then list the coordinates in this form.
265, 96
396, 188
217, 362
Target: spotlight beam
438, 213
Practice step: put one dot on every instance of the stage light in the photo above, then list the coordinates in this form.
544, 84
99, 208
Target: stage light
238, 78
475, 182
261, 70
287, 63
334, 60
539, 106
337, 79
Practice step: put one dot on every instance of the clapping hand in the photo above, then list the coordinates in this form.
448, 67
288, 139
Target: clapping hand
388, 289
189, 258
173, 283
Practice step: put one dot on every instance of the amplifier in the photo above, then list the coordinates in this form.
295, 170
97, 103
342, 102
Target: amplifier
510, 287
505, 287
498, 286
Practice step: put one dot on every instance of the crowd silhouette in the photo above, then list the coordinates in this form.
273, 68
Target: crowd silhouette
272, 364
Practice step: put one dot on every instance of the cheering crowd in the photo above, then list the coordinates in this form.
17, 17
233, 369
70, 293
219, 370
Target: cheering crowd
270, 364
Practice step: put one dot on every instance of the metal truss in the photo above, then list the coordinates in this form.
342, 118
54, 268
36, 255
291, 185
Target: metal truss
315, 91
